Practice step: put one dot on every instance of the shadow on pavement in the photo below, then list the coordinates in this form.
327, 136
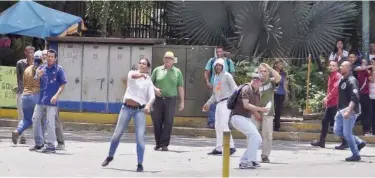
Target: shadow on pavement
130, 170
100, 136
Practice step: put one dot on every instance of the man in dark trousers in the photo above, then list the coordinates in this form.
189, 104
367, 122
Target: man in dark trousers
330, 102
348, 108
167, 80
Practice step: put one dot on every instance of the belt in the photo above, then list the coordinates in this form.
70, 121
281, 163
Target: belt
134, 107
165, 98
222, 100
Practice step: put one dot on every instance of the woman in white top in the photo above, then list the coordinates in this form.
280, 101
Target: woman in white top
339, 52
372, 93
138, 100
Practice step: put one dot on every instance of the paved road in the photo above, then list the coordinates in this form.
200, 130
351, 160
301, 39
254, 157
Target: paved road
86, 150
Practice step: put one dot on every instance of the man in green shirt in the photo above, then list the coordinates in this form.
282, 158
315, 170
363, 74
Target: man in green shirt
267, 100
167, 80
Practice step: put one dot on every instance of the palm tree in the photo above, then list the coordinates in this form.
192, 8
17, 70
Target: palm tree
265, 29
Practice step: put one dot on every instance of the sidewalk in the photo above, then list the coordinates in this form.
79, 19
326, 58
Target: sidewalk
85, 152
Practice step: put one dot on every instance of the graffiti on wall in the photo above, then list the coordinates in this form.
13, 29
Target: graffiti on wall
8, 81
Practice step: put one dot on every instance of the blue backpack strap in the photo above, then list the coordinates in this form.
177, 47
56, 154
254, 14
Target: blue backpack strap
228, 63
211, 64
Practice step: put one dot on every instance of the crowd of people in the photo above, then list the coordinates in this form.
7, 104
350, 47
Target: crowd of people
248, 107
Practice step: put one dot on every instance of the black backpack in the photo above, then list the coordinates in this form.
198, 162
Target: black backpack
232, 100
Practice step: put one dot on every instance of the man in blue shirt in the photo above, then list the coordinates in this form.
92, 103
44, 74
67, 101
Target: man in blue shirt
52, 83
209, 79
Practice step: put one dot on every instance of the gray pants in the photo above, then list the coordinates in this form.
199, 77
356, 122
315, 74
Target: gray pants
58, 128
164, 109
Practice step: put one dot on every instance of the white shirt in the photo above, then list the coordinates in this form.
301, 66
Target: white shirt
333, 56
372, 90
140, 90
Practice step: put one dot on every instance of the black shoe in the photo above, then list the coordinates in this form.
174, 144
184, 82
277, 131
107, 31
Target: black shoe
35, 148
232, 151
139, 168
15, 137
276, 129
23, 140
164, 148
353, 158
361, 145
156, 148
265, 159
107, 161
215, 152
343, 146
318, 143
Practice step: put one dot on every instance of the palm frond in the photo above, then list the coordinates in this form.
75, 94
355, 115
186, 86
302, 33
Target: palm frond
321, 25
203, 22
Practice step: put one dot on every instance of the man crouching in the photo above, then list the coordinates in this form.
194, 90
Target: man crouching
245, 108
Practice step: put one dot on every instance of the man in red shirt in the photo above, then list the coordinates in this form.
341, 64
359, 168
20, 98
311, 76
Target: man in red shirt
363, 83
330, 102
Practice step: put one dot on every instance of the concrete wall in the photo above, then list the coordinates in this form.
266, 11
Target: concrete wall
95, 71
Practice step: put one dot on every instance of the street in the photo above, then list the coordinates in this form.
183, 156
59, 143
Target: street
188, 157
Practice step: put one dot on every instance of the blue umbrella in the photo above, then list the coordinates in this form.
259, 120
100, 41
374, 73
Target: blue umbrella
29, 18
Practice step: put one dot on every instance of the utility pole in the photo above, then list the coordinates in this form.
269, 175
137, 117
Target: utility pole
365, 28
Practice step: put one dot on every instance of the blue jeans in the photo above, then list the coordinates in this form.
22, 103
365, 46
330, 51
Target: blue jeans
211, 113
39, 112
28, 105
122, 123
344, 128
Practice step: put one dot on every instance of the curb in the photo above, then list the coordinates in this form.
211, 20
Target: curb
191, 132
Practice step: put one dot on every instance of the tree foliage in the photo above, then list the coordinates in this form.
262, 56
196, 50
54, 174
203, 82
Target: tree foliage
119, 15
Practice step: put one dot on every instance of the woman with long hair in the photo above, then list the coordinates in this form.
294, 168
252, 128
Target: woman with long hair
281, 92
339, 53
138, 100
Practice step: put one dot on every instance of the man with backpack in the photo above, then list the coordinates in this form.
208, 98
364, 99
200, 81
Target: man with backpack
209, 79
223, 87
244, 104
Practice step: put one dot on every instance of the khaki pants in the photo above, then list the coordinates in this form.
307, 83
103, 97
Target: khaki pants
267, 130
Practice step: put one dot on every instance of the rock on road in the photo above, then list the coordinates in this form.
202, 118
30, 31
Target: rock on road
188, 157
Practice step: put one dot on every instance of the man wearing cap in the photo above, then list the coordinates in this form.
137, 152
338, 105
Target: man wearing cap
247, 106
30, 97
52, 83
20, 68
167, 80
267, 100
209, 75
